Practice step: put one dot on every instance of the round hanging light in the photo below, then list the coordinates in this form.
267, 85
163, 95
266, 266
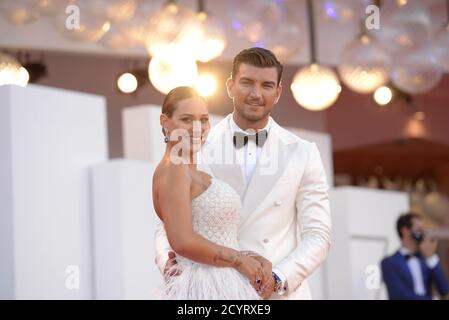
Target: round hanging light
120, 10
315, 87
23, 77
174, 27
18, 12
364, 66
383, 95
441, 47
417, 72
206, 85
127, 83
11, 72
132, 32
172, 69
405, 26
287, 40
213, 38
343, 11
115, 38
93, 22
255, 18
49, 7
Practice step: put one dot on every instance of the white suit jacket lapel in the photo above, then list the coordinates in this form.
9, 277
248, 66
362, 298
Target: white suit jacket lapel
270, 167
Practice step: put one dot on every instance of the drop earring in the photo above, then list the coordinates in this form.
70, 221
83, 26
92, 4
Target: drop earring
166, 135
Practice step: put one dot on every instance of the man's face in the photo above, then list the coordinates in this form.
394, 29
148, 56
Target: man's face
254, 91
417, 226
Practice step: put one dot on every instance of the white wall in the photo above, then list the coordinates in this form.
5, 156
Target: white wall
49, 138
363, 233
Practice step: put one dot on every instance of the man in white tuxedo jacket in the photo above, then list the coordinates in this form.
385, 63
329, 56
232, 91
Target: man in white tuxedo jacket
285, 215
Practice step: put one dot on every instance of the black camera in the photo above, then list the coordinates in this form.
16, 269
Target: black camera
418, 235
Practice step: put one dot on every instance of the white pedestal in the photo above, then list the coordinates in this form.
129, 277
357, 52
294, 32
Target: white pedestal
363, 232
124, 230
48, 139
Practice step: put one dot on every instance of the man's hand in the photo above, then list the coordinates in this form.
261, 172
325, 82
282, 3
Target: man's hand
428, 247
170, 269
267, 285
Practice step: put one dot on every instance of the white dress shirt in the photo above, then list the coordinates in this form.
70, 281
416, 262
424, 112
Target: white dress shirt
414, 266
248, 155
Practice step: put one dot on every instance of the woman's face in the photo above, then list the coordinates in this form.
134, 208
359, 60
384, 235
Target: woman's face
190, 120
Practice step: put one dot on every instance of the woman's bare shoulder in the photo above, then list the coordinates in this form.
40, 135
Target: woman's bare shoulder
171, 174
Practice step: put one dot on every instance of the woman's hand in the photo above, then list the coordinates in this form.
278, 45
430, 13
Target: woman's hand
171, 267
251, 268
267, 285
267, 268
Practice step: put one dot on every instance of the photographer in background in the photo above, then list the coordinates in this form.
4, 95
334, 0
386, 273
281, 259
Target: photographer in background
414, 269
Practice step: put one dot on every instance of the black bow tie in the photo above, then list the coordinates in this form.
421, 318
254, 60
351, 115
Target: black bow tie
240, 138
410, 255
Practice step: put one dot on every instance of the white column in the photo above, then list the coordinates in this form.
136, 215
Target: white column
48, 140
124, 230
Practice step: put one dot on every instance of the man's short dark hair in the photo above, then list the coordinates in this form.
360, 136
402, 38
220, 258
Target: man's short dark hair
257, 57
406, 220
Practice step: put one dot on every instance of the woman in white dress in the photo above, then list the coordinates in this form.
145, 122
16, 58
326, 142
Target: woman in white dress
200, 213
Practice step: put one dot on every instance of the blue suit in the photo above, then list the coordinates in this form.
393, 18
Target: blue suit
398, 278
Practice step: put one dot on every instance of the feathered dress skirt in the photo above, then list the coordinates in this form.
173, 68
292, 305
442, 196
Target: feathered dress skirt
190, 280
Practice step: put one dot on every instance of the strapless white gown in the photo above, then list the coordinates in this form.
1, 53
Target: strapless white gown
215, 216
